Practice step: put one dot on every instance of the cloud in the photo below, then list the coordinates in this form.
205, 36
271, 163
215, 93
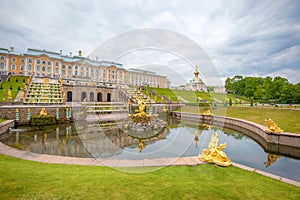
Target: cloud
241, 37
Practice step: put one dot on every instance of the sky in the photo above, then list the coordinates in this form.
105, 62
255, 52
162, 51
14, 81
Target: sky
248, 38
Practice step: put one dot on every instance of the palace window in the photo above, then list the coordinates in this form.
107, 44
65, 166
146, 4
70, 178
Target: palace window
1, 65
56, 64
43, 68
38, 68
2, 57
13, 67
13, 59
38, 62
70, 67
56, 70
76, 67
63, 67
49, 62
49, 69
44, 62
29, 67
30, 60
22, 67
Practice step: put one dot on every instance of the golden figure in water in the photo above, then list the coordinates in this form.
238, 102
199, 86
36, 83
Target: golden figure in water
272, 126
271, 159
43, 112
142, 116
214, 153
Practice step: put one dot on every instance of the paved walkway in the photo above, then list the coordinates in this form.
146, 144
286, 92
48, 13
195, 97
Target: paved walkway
191, 161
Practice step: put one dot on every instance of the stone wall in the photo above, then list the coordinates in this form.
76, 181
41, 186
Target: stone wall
9, 112
284, 143
4, 126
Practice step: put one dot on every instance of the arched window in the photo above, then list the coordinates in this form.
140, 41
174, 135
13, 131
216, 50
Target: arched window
108, 97
38, 68
49, 62
69, 96
56, 64
38, 62
29, 67
92, 97
99, 96
43, 68
44, 62
56, 70
83, 96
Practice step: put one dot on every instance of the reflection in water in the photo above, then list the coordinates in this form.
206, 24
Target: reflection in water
271, 159
177, 139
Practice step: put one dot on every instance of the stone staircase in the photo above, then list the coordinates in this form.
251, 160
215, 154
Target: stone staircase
133, 94
44, 91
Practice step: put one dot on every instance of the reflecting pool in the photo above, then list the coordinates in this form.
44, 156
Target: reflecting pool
178, 139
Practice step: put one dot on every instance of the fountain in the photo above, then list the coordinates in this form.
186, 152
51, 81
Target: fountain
272, 126
214, 153
142, 125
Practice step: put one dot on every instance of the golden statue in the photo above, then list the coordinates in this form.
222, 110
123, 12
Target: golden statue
272, 126
22, 95
141, 145
9, 94
43, 112
271, 159
214, 153
64, 95
142, 116
207, 112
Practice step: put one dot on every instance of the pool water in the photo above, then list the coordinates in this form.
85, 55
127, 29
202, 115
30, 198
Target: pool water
176, 140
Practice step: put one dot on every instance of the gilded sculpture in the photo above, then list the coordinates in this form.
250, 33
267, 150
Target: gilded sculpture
9, 94
214, 153
207, 112
141, 116
43, 112
272, 126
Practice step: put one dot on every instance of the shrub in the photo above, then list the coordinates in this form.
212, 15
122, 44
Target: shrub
10, 87
17, 80
230, 102
18, 88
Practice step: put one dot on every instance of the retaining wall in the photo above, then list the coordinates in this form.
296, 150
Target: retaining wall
4, 126
284, 143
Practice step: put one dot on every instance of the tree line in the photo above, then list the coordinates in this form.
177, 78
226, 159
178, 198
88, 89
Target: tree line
264, 89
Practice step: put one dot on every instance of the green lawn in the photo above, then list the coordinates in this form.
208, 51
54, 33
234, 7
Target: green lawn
14, 82
287, 119
32, 180
2, 120
192, 96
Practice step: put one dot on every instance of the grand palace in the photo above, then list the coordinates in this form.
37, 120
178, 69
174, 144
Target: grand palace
43, 63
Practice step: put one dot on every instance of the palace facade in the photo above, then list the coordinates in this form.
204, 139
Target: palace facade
43, 63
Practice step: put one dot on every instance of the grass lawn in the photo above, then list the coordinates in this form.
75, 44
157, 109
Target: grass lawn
22, 179
191, 96
2, 120
287, 119
14, 82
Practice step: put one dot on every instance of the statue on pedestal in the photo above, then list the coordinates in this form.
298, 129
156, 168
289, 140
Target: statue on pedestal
272, 126
43, 112
214, 153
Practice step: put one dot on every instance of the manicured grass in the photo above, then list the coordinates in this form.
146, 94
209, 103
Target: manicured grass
32, 180
2, 120
286, 119
192, 96
14, 84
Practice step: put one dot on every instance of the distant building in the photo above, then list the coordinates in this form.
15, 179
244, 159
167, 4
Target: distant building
220, 89
43, 63
196, 84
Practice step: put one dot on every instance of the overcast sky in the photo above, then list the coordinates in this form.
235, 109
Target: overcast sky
249, 38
